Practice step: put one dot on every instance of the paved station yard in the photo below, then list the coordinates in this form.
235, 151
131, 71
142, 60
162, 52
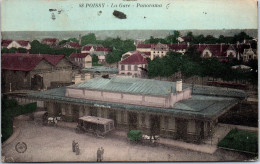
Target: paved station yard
54, 144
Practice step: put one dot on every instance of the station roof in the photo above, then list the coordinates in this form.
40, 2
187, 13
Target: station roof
129, 85
152, 87
206, 103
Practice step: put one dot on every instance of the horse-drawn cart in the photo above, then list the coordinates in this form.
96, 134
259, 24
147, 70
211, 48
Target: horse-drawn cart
135, 136
96, 125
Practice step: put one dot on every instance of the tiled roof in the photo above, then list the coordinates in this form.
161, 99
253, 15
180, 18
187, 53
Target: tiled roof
79, 55
159, 46
147, 53
144, 46
74, 44
86, 48
5, 43
23, 42
216, 49
27, 62
103, 49
49, 40
136, 58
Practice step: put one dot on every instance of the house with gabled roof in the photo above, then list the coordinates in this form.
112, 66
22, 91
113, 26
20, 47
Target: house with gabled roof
73, 45
20, 44
134, 65
96, 49
5, 43
159, 50
84, 60
52, 42
34, 71
249, 54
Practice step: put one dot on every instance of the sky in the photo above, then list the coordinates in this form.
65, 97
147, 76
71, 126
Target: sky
34, 15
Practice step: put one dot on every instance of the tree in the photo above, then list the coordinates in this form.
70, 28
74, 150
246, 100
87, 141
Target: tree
172, 38
113, 56
94, 59
88, 39
22, 50
68, 40
192, 54
5, 50
241, 37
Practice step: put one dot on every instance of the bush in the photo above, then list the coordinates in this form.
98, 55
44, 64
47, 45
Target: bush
134, 135
10, 109
240, 140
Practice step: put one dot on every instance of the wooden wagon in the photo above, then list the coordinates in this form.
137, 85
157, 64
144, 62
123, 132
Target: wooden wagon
96, 125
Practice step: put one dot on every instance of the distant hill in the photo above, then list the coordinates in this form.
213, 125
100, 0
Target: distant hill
123, 34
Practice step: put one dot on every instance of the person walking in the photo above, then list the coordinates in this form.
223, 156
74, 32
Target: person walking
73, 145
77, 148
98, 155
102, 153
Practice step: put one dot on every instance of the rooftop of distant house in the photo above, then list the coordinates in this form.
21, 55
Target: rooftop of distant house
27, 62
79, 55
50, 40
136, 58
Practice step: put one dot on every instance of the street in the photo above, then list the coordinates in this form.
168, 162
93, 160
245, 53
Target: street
54, 144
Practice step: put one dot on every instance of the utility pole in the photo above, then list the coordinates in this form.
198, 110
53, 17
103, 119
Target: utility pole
10, 87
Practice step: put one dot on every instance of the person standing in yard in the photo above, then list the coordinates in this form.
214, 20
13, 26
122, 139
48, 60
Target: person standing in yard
102, 153
98, 155
77, 148
73, 145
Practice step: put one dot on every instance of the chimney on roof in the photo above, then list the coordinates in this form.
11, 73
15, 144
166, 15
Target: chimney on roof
77, 79
221, 47
199, 45
179, 85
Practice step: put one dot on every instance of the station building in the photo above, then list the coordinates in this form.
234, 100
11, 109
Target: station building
169, 109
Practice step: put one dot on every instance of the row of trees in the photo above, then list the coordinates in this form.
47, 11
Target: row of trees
196, 39
191, 64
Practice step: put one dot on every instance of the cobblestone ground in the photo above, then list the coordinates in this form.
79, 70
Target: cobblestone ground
50, 144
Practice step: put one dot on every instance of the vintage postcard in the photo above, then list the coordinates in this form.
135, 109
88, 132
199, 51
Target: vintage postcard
129, 80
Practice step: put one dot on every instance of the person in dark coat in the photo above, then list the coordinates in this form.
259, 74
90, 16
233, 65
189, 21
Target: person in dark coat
98, 155
102, 153
73, 145
77, 148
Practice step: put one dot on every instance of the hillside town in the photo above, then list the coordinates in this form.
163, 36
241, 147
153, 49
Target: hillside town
186, 92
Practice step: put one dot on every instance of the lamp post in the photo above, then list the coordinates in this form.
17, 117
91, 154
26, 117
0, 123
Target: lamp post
10, 87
